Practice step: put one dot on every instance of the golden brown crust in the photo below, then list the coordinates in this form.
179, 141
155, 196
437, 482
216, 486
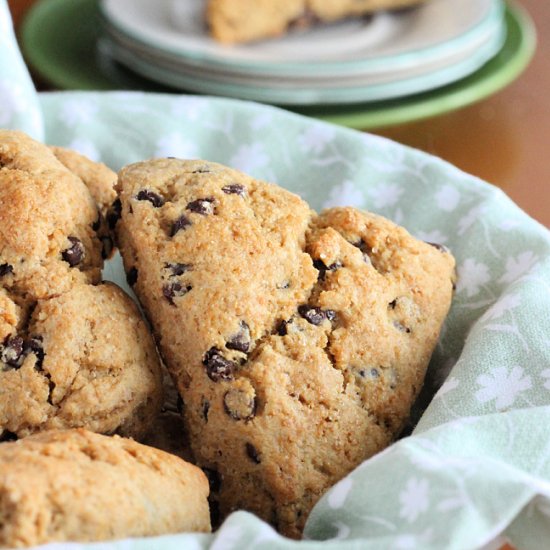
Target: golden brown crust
71, 354
79, 486
298, 342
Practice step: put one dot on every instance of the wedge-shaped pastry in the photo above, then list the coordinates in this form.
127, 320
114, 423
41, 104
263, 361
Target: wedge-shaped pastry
73, 352
298, 342
75, 485
233, 21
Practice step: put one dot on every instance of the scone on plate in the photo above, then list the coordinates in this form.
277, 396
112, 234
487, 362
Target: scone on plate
75, 485
73, 352
234, 21
298, 341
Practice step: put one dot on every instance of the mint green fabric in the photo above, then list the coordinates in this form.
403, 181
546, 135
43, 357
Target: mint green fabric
478, 462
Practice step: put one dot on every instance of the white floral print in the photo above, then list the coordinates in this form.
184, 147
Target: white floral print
470, 218
503, 386
345, 194
316, 138
450, 384
189, 107
175, 145
77, 112
447, 198
414, 499
506, 303
518, 266
85, 147
249, 158
386, 195
472, 275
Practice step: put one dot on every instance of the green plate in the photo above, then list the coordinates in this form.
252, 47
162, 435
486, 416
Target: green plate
59, 41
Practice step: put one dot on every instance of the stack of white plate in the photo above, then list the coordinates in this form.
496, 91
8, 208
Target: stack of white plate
386, 55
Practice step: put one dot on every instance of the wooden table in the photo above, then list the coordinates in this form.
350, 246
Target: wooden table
503, 140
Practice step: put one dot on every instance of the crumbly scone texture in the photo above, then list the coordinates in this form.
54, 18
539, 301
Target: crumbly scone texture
298, 341
91, 363
75, 485
72, 353
48, 217
98, 177
234, 21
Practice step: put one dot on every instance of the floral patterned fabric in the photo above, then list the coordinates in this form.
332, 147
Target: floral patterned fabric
477, 464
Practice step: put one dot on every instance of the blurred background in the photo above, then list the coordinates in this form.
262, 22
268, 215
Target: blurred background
466, 80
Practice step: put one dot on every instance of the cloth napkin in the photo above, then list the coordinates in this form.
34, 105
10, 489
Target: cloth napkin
477, 464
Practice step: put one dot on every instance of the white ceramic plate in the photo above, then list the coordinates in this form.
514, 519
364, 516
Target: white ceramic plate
388, 40
265, 90
485, 44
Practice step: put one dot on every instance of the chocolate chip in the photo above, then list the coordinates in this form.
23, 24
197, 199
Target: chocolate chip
178, 269
401, 327
440, 247
217, 366
214, 479
11, 351
252, 453
132, 276
154, 198
171, 158
172, 290
97, 224
181, 223
330, 314
241, 340
6, 436
6, 269
283, 286
369, 373
106, 247
234, 189
392, 304
204, 207
239, 405
114, 213
320, 265
365, 249
205, 407
34, 345
202, 170
315, 315
75, 253
282, 328
51, 387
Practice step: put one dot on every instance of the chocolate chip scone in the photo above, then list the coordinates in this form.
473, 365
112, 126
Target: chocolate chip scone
75, 485
234, 21
73, 352
48, 221
298, 342
84, 358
